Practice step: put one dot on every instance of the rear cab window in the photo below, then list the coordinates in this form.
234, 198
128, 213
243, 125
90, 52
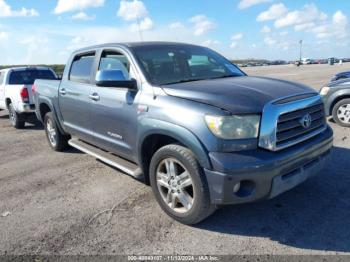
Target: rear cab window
28, 76
81, 68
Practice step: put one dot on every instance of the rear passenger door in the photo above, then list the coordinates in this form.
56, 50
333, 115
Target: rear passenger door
74, 101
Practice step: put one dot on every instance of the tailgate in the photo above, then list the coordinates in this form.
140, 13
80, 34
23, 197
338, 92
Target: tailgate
15, 91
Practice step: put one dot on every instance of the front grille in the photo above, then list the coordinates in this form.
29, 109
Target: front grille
290, 130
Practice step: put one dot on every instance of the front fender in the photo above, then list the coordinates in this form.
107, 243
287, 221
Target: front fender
150, 126
329, 103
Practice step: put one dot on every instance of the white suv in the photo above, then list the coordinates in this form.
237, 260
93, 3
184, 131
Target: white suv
16, 93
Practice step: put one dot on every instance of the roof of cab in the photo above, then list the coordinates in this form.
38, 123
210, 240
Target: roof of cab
133, 45
18, 68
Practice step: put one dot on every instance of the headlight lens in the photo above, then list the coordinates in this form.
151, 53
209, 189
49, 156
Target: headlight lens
234, 127
324, 91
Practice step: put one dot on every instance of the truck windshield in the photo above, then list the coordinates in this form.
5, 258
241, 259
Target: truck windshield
165, 65
28, 76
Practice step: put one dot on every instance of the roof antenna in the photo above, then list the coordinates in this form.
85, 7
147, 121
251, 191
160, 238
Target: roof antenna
139, 28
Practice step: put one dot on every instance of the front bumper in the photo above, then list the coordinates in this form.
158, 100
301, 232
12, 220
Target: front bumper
265, 174
327, 105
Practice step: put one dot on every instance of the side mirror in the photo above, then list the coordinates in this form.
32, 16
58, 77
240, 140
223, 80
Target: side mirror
114, 78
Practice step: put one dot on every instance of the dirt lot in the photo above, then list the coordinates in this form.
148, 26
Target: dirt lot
52, 199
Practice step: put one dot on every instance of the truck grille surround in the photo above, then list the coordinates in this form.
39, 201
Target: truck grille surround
285, 124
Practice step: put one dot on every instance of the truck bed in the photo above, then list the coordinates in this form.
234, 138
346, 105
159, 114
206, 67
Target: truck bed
47, 88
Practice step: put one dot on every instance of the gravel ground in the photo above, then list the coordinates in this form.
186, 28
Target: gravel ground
49, 202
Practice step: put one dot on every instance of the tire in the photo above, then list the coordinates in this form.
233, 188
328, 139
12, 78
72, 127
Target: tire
57, 141
166, 178
17, 120
341, 113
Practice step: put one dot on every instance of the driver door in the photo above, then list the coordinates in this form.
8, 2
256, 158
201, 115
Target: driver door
114, 113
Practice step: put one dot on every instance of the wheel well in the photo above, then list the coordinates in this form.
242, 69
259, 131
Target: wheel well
151, 145
336, 101
44, 109
8, 102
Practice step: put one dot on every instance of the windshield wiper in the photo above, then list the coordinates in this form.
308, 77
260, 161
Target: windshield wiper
185, 81
224, 76
198, 79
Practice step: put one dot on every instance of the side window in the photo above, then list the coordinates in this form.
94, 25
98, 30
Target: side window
2, 77
81, 68
115, 61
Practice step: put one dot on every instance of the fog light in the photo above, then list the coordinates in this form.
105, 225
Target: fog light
236, 187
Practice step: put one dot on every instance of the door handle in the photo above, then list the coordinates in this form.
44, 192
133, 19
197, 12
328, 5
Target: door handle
63, 91
94, 97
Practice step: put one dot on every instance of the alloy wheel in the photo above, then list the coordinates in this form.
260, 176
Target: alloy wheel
12, 115
51, 132
175, 185
343, 113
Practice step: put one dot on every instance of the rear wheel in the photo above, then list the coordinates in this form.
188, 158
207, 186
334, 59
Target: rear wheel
17, 120
56, 139
341, 113
179, 185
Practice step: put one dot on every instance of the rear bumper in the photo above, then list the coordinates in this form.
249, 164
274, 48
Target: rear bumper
25, 108
264, 174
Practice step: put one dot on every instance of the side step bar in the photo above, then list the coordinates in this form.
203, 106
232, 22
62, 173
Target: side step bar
108, 158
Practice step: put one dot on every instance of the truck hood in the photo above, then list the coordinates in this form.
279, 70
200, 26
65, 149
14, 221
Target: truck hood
237, 94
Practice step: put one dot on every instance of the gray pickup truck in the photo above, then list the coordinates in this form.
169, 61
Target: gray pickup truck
188, 122
336, 97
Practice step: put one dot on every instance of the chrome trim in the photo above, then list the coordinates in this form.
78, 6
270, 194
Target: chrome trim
25, 108
63, 91
302, 139
103, 159
94, 97
269, 120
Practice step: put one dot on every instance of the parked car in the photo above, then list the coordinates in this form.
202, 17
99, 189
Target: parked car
336, 96
339, 76
16, 91
298, 63
306, 61
189, 122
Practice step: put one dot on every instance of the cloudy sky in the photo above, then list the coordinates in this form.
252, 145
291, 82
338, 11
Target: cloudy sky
46, 31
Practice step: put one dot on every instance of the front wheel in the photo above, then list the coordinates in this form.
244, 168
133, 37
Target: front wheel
341, 113
17, 120
179, 185
56, 139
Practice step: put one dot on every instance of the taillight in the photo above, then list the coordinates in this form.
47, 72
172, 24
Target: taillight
33, 89
24, 95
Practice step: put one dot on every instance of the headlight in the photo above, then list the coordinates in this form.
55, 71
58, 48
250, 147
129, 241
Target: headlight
234, 127
324, 91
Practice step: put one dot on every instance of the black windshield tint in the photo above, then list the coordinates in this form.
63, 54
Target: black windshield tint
174, 64
28, 76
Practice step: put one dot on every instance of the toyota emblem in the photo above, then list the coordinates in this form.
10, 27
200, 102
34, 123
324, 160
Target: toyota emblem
305, 121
